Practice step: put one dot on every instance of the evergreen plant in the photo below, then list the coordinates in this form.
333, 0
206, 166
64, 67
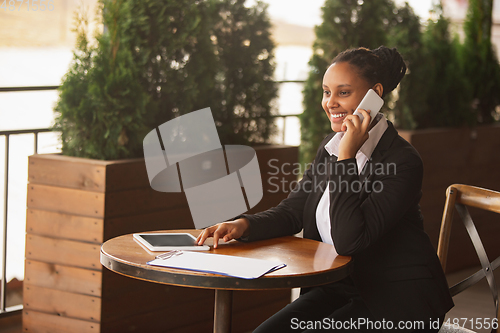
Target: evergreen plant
480, 62
406, 36
245, 86
446, 92
158, 59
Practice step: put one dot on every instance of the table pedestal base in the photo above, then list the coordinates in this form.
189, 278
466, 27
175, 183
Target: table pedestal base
223, 308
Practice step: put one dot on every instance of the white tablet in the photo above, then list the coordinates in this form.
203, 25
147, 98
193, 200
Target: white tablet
169, 241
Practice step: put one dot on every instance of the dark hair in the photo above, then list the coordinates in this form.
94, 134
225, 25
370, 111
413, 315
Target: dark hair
382, 65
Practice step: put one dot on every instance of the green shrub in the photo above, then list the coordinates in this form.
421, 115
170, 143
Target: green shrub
482, 70
446, 92
406, 36
159, 59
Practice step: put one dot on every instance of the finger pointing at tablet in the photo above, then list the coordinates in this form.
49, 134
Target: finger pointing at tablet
225, 230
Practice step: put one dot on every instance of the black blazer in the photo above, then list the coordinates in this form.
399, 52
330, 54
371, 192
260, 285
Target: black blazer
375, 218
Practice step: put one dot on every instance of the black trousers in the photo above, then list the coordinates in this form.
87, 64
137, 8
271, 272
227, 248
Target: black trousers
337, 307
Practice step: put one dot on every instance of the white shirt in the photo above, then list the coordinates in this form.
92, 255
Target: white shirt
362, 156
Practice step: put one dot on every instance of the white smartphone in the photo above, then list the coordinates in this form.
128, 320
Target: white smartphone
372, 102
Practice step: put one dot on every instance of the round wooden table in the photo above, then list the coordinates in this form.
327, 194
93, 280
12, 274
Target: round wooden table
308, 263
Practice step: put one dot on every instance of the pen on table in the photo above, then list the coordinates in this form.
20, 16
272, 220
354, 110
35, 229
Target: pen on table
169, 254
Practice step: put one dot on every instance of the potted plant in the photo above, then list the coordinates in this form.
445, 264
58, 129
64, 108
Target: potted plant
154, 61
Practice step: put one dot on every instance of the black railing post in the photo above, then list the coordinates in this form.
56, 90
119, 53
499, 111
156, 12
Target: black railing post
3, 292
35, 143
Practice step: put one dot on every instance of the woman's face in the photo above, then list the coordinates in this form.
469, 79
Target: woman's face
343, 90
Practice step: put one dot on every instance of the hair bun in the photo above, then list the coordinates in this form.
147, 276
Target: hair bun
382, 65
395, 67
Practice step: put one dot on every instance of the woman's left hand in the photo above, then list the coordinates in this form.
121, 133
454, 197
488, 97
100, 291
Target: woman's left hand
356, 134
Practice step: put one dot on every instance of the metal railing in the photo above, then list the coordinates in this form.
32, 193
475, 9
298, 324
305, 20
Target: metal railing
7, 134
34, 88
4, 311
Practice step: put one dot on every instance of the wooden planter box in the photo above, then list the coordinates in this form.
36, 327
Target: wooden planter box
459, 155
76, 204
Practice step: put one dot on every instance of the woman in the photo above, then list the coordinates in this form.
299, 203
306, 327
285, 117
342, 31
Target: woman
368, 208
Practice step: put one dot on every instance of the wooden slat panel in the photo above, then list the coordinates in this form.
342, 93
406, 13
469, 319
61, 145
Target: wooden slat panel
131, 174
87, 174
277, 166
475, 146
118, 288
427, 138
39, 322
184, 320
136, 200
443, 177
145, 200
203, 326
270, 156
66, 200
430, 143
62, 303
279, 183
484, 177
486, 142
154, 304
278, 155
179, 318
62, 225
142, 200
478, 175
65, 252
64, 278
444, 158
174, 313
127, 205
123, 297
65, 171
433, 197
179, 218
176, 218
158, 322
126, 174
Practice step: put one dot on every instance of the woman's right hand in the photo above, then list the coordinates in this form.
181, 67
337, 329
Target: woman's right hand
225, 230
356, 134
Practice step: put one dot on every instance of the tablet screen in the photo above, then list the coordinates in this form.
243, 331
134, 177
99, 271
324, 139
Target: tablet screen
169, 240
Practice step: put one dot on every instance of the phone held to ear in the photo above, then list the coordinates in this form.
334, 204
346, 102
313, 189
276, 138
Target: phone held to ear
372, 102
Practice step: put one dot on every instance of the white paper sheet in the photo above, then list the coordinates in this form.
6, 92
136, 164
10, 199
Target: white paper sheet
241, 267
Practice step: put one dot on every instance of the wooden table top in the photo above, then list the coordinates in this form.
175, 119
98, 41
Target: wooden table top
309, 263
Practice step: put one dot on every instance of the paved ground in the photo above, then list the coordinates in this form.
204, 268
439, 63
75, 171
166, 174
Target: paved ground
475, 302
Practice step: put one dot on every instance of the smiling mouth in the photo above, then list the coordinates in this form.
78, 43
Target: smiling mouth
338, 115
